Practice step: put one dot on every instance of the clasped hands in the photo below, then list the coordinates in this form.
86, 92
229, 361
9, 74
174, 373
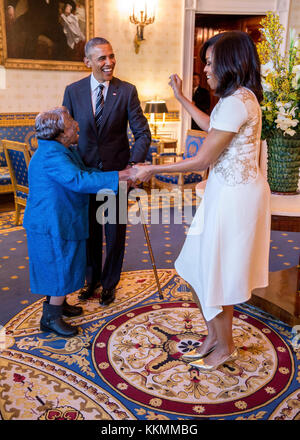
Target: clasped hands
137, 173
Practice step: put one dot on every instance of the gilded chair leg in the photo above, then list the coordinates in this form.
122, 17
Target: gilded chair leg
180, 182
18, 209
152, 182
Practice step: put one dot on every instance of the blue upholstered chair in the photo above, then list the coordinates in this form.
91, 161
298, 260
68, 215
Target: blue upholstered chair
152, 149
19, 127
5, 180
193, 142
17, 158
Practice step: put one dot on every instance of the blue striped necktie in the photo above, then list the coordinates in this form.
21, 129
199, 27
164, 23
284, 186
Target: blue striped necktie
99, 105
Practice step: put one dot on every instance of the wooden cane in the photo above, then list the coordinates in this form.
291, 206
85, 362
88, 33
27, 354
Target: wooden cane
150, 248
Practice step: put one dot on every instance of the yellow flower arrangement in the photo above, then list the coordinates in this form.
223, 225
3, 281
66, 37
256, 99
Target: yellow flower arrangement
280, 80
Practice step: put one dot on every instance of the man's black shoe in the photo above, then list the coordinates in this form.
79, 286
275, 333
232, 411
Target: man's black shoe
107, 296
70, 311
87, 291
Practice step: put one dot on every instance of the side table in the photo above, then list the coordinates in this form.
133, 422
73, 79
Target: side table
282, 296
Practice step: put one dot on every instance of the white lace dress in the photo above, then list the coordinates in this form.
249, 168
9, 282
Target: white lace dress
226, 252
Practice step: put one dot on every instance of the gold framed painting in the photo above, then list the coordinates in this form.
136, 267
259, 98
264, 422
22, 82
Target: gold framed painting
45, 34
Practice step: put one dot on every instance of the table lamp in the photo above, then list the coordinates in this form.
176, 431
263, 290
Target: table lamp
154, 108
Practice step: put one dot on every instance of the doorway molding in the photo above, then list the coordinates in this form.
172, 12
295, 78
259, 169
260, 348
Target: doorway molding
230, 7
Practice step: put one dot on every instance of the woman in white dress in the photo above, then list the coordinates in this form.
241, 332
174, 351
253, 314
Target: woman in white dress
226, 252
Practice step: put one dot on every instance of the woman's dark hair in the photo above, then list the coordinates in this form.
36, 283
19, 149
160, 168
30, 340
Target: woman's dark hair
235, 63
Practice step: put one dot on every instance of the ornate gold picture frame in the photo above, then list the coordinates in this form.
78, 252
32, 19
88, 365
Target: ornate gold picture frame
45, 34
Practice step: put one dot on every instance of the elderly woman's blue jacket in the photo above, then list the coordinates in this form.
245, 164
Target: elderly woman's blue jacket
59, 184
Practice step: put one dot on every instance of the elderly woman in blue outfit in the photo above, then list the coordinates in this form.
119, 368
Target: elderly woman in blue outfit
56, 216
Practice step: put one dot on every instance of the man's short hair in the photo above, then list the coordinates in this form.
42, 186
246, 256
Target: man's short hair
50, 124
92, 43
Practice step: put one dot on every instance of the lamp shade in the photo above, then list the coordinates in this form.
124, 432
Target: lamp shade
156, 107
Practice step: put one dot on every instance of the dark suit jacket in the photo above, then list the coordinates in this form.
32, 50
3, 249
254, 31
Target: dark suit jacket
59, 184
201, 99
109, 146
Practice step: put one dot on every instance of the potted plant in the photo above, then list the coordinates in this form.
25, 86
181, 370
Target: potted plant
280, 106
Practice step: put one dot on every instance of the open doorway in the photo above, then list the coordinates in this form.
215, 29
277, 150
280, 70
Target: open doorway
208, 25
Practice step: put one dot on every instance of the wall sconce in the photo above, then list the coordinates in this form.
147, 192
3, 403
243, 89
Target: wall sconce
155, 107
143, 13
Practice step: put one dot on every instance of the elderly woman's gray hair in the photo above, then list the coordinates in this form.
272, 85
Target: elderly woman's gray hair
50, 124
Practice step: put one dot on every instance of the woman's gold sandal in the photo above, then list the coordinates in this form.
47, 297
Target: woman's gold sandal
194, 355
202, 366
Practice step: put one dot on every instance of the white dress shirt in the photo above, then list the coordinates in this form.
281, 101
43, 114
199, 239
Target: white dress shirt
95, 90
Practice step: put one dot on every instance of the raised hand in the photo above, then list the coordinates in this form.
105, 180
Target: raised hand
176, 84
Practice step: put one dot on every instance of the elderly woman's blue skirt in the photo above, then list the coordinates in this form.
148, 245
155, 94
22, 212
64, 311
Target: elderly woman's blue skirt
56, 266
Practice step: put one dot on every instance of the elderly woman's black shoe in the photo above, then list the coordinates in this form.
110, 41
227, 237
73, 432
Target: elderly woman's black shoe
52, 321
67, 309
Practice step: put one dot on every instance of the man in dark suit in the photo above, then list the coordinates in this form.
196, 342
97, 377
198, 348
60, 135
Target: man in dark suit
201, 98
103, 105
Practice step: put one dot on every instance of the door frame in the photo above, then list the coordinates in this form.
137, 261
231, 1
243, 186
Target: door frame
212, 7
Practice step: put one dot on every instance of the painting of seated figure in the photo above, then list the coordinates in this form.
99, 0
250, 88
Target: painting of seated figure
45, 34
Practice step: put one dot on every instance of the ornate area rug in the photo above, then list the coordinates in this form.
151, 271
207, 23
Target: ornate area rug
126, 363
